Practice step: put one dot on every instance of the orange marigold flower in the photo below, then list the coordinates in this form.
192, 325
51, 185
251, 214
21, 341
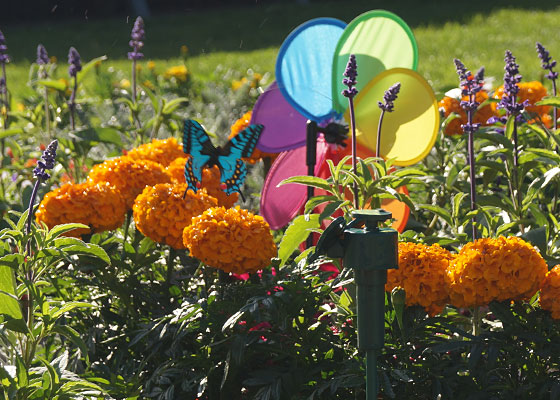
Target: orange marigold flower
233, 240
550, 292
421, 273
129, 176
96, 204
210, 181
241, 124
161, 213
495, 269
482, 115
532, 92
160, 151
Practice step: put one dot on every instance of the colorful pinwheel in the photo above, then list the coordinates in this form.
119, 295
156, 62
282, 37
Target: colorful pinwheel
309, 70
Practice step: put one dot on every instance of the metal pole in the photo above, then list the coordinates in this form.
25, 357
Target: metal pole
371, 375
310, 161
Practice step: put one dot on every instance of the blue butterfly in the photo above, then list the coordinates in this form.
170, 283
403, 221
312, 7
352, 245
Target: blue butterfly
228, 158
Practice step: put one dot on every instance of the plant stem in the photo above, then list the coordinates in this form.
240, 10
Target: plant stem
472, 177
354, 151
73, 103
476, 321
378, 143
30, 215
554, 109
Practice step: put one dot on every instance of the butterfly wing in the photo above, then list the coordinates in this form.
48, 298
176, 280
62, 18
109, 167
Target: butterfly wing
196, 143
233, 168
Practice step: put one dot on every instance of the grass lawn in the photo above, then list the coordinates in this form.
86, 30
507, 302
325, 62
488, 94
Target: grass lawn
249, 37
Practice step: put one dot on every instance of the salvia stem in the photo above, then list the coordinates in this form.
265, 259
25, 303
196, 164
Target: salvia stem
73, 104
378, 142
472, 177
354, 150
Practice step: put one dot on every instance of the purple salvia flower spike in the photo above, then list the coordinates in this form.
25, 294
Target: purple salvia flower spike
74, 61
46, 162
389, 97
42, 56
351, 73
547, 62
137, 40
4, 57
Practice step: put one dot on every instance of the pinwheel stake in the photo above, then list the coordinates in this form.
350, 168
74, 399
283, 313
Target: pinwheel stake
370, 251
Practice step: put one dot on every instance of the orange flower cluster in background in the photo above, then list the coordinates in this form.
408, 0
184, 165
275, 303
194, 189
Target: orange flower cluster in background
161, 213
210, 181
550, 292
96, 204
241, 124
162, 151
532, 92
495, 269
129, 176
451, 105
421, 273
233, 240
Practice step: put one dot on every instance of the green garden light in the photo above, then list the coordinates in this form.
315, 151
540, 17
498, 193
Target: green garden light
370, 251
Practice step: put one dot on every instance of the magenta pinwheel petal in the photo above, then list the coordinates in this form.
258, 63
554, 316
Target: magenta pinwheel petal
285, 128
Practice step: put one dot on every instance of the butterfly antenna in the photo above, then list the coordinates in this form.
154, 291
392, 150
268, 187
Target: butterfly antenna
185, 193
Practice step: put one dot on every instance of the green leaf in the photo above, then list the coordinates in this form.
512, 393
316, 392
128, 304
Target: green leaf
296, 233
331, 208
457, 200
69, 307
496, 138
173, 105
100, 135
12, 260
510, 126
439, 211
63, 228
21, 372
550, 155
549, 101
89, 249
8, 304
53, 84
502, 229
308, 181
89, 66
537, 237
10, 132
313, 202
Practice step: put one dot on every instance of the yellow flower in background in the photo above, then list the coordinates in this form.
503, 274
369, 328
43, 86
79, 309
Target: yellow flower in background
241, 124
149, 85
495, 269
53, 60
151, 65
161, 213
129, 176
98, 205
184, 50
421, 273
210, 181
162, 151
20, 107
233, 240
124, 84
549, 297
178, 72
237, 84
